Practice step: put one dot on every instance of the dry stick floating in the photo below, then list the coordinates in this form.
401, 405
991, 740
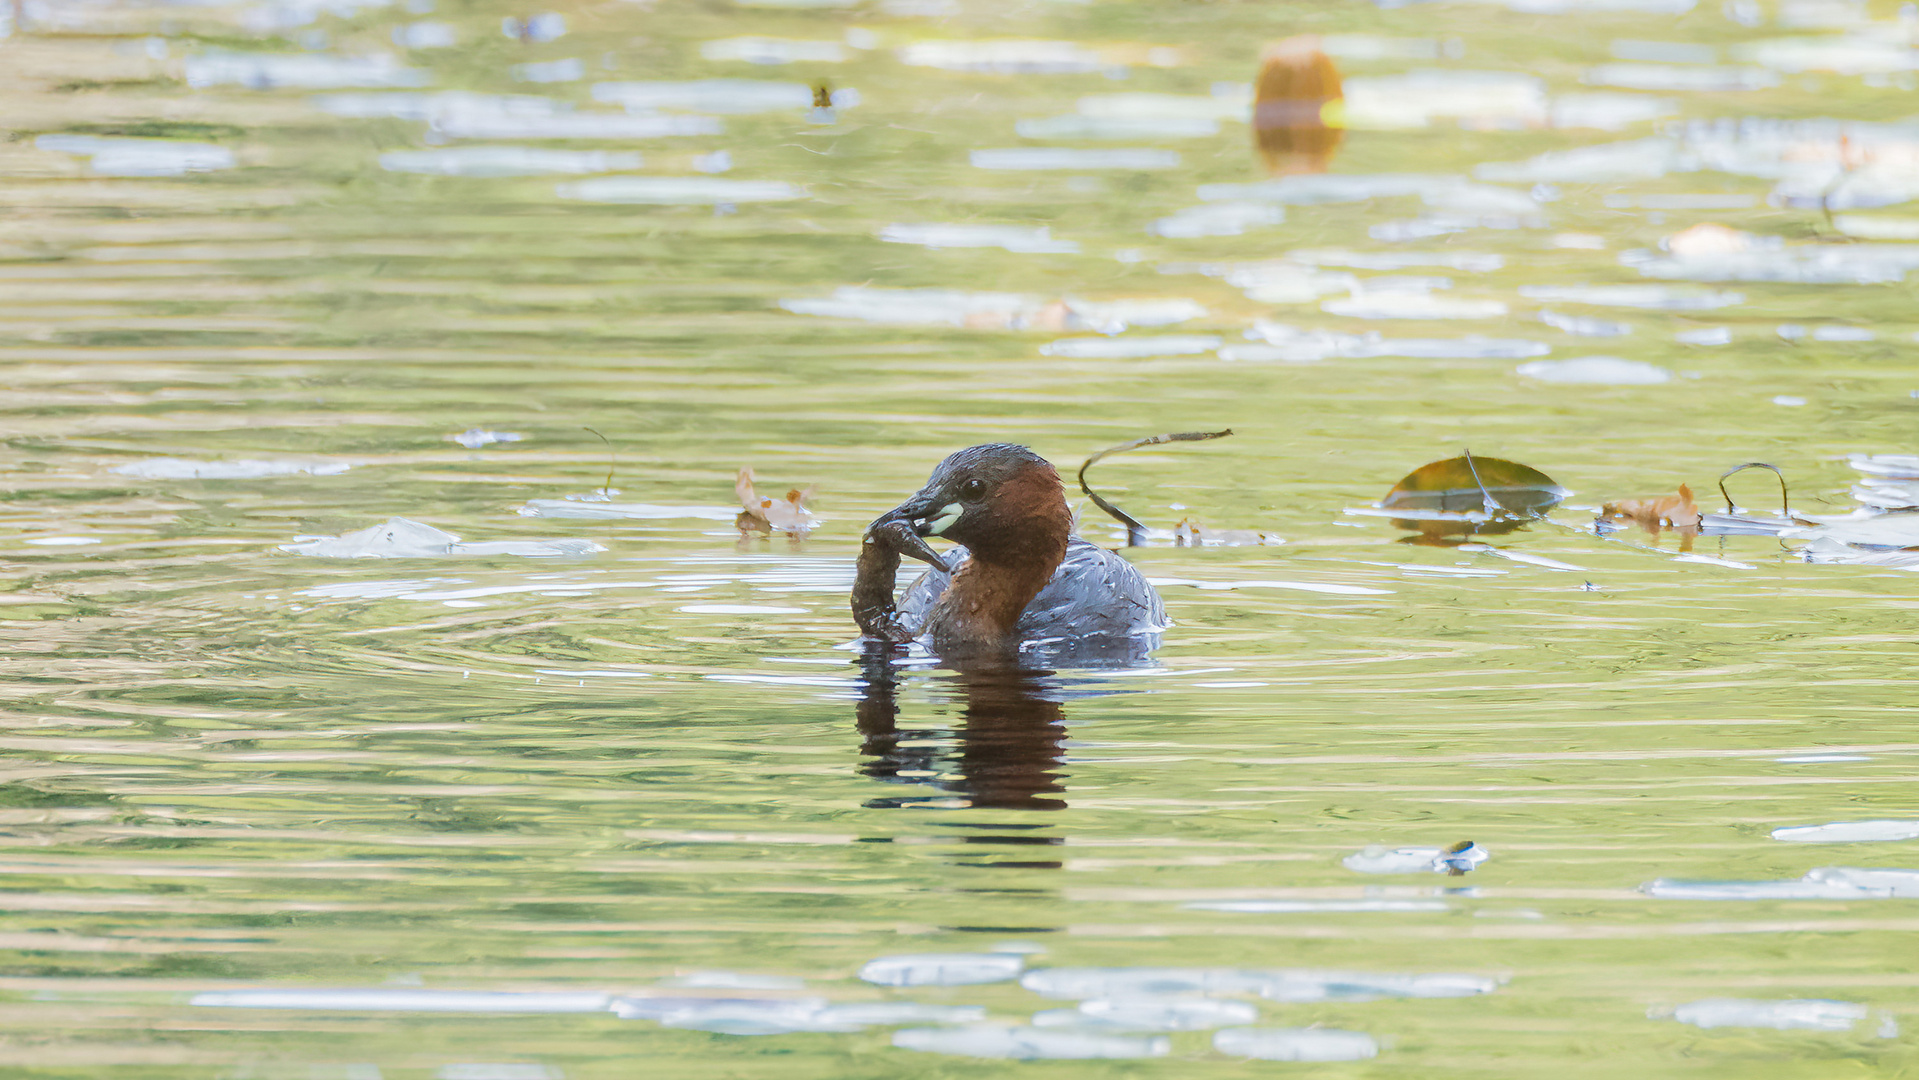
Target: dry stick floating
1785, 505
611, 461
1488, 505
1135, 532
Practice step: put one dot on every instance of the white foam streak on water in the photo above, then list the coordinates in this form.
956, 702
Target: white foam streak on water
942, 969
1296, 1044
1801, 1014
1848, 832
1026, 1044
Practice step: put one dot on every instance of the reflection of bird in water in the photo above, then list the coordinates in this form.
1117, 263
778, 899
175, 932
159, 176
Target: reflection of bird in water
1023, 578
1010, 738
1298, 107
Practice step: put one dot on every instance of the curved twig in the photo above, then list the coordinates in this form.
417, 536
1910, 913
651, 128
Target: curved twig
1136, 532
1785, 504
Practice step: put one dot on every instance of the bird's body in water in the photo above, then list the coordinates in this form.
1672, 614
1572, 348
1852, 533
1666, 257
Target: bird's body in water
1020, 578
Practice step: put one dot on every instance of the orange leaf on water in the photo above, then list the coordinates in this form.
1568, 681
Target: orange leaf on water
787, 515
1676, 511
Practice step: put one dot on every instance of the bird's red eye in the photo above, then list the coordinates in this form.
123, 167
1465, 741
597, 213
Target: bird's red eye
973, 488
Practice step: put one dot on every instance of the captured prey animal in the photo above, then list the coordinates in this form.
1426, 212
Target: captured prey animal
1021, 577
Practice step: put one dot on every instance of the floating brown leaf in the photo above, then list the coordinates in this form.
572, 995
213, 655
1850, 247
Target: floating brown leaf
1665, 511
787, 515
1469, 494
1297, 107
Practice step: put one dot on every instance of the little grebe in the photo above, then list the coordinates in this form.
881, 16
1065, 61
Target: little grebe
1022, 575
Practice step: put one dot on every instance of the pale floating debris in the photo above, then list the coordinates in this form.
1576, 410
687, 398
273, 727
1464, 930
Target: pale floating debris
1670, 77
1319, 907
1650, 297
783, 1016
1028, 1043
167, 468
456, 1071
1427, 226
1228, 102
474, 438
1120, 348
1809, 1014
546, 26
1416, 860
1867, 227
1882, 54
572, 69
1903, 466
1074, 126
272, 17
1016, 238
1580, 326
1005, 57
306, 71
611, 511
400, 538
431, 107
1643, 159
1115, 316
1515, 556
1788, 400
1608, 112
1681, 200
1876, 531
733, 980
1664, 52
1821, 759
678, 190
1826, 883
1881, 494
1217, 219
1398, 303
1374, 47
1496, 99
942, 969
1469, 261
1806, 264
1848, 832
61, 541
768, 51
1299, 346
1607, 370
1578, 242
389, 1000
730, 96
1442, 192
1833, 332
1711, 335
1044, 158
1272, 281
1150, 1014
496, 161
116, 156
1274, 985
465, 124
425, 35
1296, 586
1296, 1044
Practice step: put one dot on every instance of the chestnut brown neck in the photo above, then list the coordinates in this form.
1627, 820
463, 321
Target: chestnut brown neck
1011, 557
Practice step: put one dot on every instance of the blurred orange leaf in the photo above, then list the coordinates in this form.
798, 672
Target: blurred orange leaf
1676, 511
788, 514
